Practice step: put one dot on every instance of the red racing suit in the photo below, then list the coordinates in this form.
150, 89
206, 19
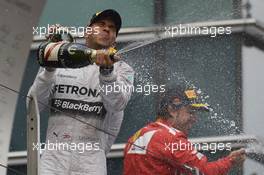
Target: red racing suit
160, 149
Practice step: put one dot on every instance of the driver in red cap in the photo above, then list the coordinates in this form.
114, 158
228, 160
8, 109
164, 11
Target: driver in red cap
149, 151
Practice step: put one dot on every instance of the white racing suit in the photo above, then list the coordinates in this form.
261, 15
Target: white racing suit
72, 147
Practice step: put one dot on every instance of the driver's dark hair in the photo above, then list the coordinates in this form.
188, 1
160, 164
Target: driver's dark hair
167, 98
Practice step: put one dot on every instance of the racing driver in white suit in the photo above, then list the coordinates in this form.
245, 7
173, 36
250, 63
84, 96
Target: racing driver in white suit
80, 94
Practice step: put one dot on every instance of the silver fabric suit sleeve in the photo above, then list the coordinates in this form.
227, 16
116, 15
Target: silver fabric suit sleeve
42, 86
113, 126
116, 101
116, 87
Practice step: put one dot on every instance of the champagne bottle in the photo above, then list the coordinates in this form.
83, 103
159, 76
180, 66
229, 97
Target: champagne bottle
60, 52
67, 55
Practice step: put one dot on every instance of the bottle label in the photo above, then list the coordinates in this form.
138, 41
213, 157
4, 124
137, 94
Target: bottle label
63, 54
51, 51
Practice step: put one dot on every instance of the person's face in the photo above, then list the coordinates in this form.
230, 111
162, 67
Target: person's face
103, 35
183, 118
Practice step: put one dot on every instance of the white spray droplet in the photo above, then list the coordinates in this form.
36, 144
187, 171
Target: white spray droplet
232, 123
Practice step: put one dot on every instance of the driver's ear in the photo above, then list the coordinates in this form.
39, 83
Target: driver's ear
88, 31
86, 35
170, 110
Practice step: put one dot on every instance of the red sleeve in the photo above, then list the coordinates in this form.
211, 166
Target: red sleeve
187, 155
